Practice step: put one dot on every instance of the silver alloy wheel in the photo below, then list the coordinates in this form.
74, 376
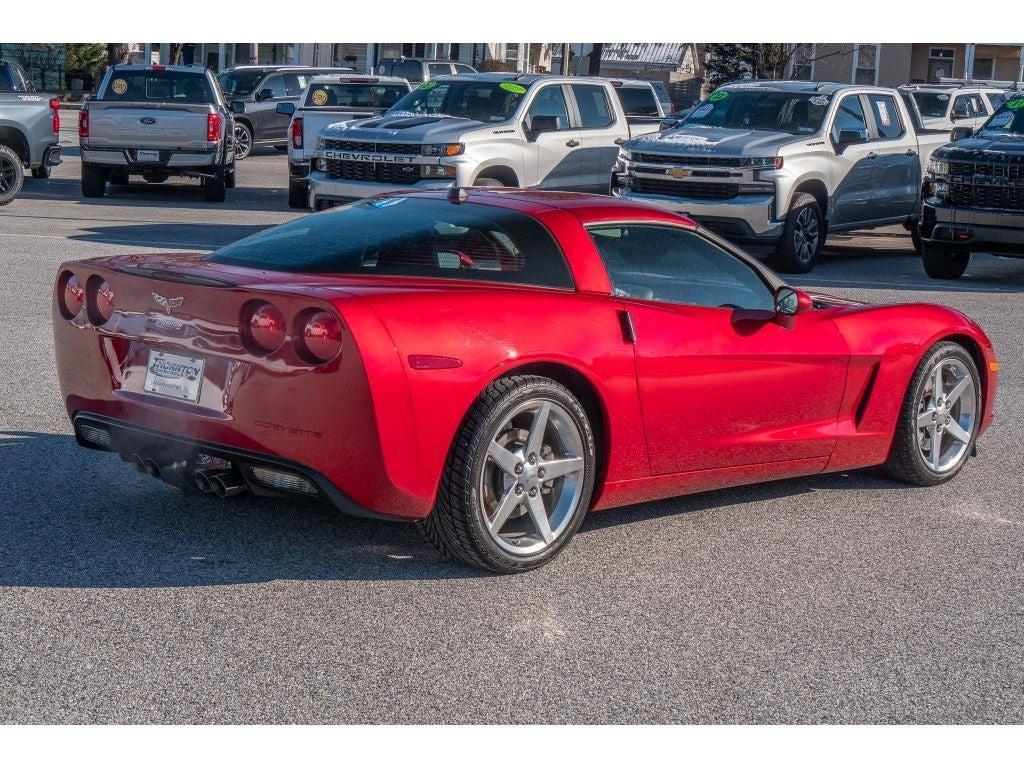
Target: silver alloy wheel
532, 478
243, 141
946, 415
8, 174
805, 234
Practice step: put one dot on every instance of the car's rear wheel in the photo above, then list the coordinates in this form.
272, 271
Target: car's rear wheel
231, 177
12, 175
518, 479
42, 172
943, 263
94, 180
802, 236
939, 418
243, 140
213, 187
298, 195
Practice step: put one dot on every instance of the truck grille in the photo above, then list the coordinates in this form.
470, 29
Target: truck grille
986, 196
373, 146
388, 173
695, 160
1008, 171
692, 190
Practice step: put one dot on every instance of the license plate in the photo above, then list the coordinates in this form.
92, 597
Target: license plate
148, 155
174, 376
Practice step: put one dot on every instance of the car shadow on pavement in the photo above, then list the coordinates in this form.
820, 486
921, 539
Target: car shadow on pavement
77, 518
202, 237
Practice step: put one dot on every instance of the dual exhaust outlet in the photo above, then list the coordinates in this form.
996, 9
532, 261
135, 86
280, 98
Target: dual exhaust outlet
222, 483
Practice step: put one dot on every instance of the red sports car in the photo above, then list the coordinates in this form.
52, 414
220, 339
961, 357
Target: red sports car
494, 364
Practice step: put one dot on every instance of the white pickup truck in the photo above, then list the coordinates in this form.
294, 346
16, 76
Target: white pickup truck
488, 129
157, 122
330, 99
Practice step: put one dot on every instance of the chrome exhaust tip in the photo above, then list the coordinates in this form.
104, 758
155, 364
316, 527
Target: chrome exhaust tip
139, 462
226, 484
152, 468
202, 480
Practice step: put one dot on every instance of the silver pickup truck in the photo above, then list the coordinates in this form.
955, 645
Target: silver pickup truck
157, 122
493, 129
330, 99
29, 131
785, 163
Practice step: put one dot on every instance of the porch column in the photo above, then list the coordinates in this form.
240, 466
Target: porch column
969, 61
222, 49
254, 53
370, 59
147, 53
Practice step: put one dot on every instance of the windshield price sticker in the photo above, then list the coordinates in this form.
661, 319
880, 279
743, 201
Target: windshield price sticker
702, 111
428, 85
319, 97
943, 97
1001, 120
513, 88
718, 96
1015, 104
819, 101
119, 86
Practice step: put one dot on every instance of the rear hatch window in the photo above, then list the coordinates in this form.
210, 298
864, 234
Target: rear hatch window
359, 95
414, 237
638, 101
159, 86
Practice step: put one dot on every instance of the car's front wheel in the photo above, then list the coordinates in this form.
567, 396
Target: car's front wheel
518, 479
943, 263
939, 419
243, 140
802, 236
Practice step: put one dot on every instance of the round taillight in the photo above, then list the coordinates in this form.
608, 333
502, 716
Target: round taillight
264, 328
319, 336
70, 296
99, 300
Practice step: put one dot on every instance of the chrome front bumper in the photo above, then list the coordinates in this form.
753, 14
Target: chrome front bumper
323, 188
752, 214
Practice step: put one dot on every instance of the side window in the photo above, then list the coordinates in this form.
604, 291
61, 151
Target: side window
436, 70
887, 116
410, 70
592, 101
677, 266
22, 81
849, 116
294, 85
638, 101
462, 69
550, 101
276, 85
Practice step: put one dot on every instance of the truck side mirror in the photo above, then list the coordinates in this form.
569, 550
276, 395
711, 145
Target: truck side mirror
238, 107
538, 124
286, 108
848, 136
961, 132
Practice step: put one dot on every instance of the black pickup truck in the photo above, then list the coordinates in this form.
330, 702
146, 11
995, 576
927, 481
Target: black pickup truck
974, 194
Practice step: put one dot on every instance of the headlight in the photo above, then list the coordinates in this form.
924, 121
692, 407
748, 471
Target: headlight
443, 150
765, 163
938, 168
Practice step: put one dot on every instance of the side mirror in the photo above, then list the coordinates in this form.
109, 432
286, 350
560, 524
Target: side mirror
961, 114
848, 136
238, 107
537, 124
791, 301
264, 94
286, 108
961, 132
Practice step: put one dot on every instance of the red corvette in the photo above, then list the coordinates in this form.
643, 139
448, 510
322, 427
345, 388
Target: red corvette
494, 364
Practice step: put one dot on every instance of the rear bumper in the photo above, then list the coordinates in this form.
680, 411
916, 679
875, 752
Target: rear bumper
169, 159
742, 219
187, 455
972, 229
322, 188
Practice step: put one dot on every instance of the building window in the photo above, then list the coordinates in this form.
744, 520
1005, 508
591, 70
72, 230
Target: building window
512, 54
865, 65
984, 69
940, 63
801, 63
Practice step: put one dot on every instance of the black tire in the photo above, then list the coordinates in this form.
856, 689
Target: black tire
94, 180
213, 188
795, 252
119, 178
457, 525
905, 461
231, 178
915, 236
243, 140
486, 181
42, 172
12, 174
298, 195
943, 263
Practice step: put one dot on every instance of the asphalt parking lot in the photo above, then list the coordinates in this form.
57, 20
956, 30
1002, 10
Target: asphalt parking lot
841, 598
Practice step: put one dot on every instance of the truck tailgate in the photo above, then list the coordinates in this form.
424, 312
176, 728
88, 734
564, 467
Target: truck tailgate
157, 126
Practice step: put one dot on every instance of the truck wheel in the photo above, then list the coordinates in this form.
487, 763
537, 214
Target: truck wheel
915, 235
298, 195
944, 264
484, 181
802, 236
213, 189
94, 180
243, 140
230, 179
42, 172
12, 175
518, 478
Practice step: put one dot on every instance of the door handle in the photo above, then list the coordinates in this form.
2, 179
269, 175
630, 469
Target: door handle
911, 152
572, 143
871, 155
627, 327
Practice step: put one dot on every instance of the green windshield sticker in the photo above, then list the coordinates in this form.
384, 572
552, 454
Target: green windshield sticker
1015, 104
512, 87
428, 85
718, 96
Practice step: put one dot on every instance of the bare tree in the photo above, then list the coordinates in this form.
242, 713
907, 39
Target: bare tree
45, 60
118, 53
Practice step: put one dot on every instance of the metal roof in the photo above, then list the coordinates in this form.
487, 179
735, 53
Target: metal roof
648, 55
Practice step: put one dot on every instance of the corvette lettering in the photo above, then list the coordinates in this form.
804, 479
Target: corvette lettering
368, 157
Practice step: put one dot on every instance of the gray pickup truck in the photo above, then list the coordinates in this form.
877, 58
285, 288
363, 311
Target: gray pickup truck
29, 131
157, 122
785, 163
